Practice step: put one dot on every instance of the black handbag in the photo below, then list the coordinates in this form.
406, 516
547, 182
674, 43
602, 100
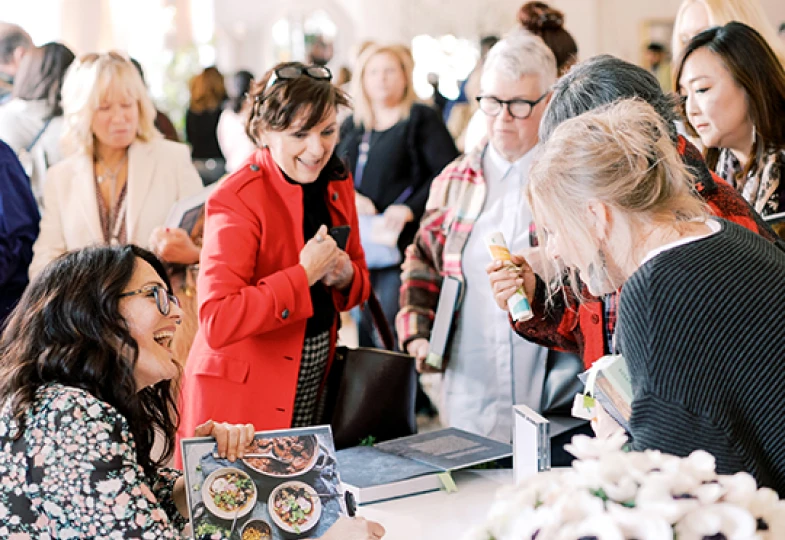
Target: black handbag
371, 392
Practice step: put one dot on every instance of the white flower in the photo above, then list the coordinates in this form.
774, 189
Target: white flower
585, 447
600, 526
731, 521
769, 513
739, 488
640, 524
608, 494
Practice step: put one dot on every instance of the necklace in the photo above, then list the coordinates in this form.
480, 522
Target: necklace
108, 173
112, 174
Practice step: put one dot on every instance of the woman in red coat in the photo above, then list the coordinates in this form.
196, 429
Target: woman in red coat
272, 279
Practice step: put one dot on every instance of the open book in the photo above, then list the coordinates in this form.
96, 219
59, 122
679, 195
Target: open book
611, 387
414, 464
186, 212
288, 487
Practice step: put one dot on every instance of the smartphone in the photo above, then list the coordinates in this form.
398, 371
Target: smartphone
341, 235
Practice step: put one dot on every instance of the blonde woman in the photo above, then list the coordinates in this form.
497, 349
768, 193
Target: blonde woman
394, 147
694, 16
120, 177
615, 203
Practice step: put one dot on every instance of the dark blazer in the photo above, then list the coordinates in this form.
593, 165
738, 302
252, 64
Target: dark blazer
18, 229
409, 154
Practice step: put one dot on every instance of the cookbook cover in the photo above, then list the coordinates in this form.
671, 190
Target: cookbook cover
286, 487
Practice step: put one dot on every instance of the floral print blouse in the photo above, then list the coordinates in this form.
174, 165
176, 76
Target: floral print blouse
73, 474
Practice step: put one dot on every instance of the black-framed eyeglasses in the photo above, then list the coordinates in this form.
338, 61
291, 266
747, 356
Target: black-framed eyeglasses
163, 299
518, 108
287, 73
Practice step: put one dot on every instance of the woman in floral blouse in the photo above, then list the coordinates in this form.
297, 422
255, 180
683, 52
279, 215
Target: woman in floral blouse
86, 383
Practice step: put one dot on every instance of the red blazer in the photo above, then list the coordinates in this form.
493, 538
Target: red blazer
254, 298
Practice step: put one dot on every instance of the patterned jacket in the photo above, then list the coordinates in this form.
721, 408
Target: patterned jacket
579, 327
456, 199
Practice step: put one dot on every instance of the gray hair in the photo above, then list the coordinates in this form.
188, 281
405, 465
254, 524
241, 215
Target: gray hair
522, 53
12, 37
602, 80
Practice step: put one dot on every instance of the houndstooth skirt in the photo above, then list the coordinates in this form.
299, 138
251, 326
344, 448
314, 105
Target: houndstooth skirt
316, 351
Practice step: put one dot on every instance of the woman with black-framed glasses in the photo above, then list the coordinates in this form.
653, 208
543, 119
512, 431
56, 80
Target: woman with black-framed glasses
86, 387
272, 279
477, 195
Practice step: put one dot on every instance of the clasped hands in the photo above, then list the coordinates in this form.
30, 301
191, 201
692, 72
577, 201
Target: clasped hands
396, 216
174, 245
324, 261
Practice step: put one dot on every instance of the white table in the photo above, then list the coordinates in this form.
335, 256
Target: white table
440, 514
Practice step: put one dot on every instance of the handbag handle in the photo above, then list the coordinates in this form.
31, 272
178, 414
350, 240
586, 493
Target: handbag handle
380, 322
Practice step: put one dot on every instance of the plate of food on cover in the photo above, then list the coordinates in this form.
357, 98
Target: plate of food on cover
229, 493
282, 457
294, 507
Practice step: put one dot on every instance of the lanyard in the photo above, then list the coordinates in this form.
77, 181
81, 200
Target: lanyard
362, 158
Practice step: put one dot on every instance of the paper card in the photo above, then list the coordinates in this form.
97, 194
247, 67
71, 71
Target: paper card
382, 234
584, 407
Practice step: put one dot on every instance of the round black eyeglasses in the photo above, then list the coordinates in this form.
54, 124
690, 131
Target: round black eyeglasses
518, 108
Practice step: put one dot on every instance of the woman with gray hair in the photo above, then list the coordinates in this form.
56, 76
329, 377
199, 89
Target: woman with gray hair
614, 202
489, 369
588, 327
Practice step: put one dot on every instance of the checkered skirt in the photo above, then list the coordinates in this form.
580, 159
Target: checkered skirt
316, 351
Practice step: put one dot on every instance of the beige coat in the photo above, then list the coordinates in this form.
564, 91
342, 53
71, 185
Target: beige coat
159, 173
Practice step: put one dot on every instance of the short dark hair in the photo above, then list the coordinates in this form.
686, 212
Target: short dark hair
655, 47
487, 43
237, 87
40, 75
67, 329
277, 107
754, 66
138, 67
602, 80
11, 38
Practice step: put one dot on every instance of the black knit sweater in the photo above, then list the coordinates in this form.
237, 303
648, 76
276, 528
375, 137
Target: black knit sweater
702, 327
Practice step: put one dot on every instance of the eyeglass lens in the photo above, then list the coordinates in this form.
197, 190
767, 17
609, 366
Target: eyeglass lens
517, 109
164, 300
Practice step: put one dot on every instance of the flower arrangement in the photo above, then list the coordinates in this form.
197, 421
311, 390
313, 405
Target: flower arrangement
610, 494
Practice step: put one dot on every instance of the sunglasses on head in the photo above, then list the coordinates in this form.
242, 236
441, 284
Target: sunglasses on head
287, 73
163, 299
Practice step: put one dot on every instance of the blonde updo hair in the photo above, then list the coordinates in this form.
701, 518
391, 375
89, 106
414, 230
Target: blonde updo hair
619, 154
86, 82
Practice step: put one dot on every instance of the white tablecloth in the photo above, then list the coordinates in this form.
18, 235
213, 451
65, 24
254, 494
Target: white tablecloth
439, 514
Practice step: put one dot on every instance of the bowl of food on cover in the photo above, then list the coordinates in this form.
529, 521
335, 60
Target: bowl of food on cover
256, 529
294, 507
283, 457
229, 493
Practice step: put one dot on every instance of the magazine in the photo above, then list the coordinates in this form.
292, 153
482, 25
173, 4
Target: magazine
288, 487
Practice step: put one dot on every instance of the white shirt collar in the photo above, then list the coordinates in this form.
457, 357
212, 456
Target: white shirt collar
494, 162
